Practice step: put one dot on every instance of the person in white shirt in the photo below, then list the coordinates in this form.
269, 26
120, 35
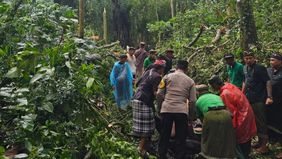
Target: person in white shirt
131, 60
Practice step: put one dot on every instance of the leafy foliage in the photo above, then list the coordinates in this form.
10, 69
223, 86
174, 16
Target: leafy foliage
222, 16
52, 84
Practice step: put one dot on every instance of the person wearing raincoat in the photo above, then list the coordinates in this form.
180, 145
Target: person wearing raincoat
122, 80
243, 116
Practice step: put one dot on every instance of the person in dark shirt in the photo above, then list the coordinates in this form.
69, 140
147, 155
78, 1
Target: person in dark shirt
258, 90
140, 56
274, 111
143, 105
168, 59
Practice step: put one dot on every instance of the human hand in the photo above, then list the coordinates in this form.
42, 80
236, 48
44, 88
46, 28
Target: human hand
269, 101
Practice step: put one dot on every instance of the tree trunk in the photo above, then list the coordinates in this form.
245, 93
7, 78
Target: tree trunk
248, 28
105, 26
81, 19
156, 7
172, 8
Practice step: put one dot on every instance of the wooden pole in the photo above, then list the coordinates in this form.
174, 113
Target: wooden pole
81, 19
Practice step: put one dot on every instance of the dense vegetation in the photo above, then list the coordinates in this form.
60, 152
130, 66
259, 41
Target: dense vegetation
51, 84
55, 98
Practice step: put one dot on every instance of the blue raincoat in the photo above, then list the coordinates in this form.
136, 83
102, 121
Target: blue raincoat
121, 78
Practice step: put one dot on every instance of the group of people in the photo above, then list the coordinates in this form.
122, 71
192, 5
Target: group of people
249, 102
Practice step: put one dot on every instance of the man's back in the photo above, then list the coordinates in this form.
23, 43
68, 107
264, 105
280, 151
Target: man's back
140, 55
207, 101
179, 89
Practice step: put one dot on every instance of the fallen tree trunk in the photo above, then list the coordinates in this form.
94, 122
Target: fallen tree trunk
108, 45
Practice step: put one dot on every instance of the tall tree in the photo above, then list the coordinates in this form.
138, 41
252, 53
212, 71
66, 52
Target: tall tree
105, 26
172, 7
81, 19
247, 25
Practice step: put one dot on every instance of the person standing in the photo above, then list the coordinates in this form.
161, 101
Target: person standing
121, 80
234, 70
150, 59
140, 56
131, 60
179, 91
243, 117
168, 59
143, 105
218, 139
274, 111
257, 87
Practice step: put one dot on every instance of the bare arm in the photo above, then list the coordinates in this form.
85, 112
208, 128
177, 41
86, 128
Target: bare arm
244, 87
192, 103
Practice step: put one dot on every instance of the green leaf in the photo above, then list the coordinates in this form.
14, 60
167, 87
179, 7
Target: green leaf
2, 52
21, 155
28, 145
90, 82
69, 14
48, 106
28, 121
22, 101
13, 73
2, 150
68, 64
36, 78
4, 7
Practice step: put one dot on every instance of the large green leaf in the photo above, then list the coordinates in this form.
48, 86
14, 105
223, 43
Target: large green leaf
90, 82
36, 77
13, 73
28, 121
48, 106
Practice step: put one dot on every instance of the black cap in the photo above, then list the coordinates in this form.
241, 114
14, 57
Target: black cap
122, 56
215, 79
131, 48
182, 64
276, 56
228, 56
248, 53
152, 51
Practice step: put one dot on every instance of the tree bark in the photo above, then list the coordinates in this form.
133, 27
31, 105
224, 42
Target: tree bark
81, 19
172, 7
156, 7
105, 26
248, 28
